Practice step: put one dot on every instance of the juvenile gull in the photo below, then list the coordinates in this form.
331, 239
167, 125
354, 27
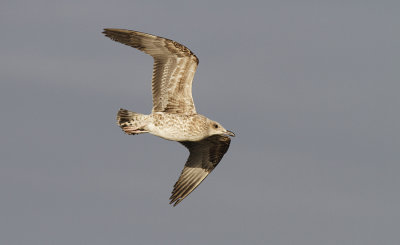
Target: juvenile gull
174, 115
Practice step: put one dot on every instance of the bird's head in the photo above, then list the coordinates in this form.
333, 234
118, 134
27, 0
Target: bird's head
216, 128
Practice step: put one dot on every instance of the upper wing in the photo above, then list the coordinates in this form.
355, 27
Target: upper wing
173, 70
204, 157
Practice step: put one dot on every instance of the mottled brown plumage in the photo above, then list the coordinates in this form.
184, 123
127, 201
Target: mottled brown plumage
174, 116
173, 70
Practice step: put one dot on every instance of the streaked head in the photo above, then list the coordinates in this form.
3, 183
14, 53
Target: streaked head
216, 128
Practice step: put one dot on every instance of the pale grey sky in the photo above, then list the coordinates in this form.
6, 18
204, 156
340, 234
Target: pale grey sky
309, 87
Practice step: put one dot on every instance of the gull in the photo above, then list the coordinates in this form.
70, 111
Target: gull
174, 115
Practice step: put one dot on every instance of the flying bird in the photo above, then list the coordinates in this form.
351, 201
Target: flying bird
174, 115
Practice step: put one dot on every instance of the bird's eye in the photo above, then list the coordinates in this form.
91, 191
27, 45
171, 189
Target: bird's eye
215, 125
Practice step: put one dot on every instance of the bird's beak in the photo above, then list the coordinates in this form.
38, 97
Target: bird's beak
230, 133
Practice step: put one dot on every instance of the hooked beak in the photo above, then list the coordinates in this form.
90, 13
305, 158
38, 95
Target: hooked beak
230, 133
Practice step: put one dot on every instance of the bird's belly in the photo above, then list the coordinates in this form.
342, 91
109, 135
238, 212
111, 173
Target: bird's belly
173, 133
177, 127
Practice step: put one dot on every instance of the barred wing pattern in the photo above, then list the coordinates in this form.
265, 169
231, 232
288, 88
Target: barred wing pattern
204, 157
173, 70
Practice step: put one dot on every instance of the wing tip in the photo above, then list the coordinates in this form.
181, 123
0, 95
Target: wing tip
108, 30
175, 201
112, 32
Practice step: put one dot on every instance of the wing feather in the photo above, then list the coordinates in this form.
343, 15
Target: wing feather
173, 70
203, 158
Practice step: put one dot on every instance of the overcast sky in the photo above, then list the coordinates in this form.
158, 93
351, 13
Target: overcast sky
311, 89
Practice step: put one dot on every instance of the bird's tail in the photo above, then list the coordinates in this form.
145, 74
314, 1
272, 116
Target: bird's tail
131, 122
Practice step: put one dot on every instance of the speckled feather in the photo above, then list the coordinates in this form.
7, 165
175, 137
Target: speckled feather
173, 70
174, 115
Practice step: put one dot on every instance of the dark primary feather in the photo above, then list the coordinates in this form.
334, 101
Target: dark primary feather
173, 69
204, 157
